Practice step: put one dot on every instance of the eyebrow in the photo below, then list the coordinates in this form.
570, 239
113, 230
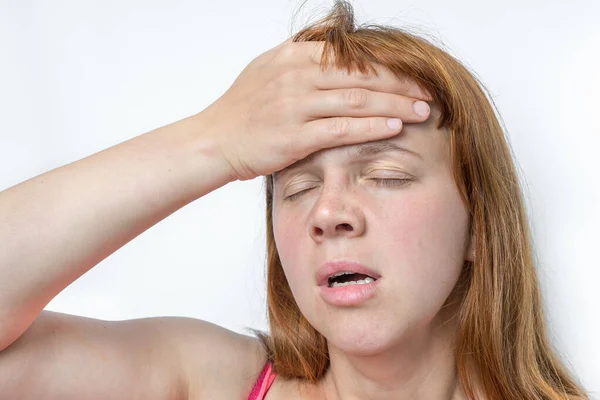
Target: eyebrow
362, 150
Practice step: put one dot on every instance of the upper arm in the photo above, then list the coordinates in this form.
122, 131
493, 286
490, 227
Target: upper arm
217, 363
62, 356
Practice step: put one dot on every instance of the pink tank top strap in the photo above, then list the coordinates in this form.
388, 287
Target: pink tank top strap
263, 383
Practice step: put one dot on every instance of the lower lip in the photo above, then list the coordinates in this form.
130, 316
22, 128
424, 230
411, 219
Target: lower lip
351, 295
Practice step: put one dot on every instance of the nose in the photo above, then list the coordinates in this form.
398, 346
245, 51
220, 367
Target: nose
336, 214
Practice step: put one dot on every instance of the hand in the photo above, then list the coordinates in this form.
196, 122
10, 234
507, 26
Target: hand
282, 107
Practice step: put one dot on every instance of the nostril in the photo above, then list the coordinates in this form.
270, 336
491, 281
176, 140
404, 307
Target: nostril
346, 227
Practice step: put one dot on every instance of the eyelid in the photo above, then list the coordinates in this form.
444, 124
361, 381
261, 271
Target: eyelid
389, 174
393, 175
388, 181
385, 169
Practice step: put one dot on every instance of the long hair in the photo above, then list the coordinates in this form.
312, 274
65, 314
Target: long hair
502, 348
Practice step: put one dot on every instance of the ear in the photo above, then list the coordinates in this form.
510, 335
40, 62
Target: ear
471, 250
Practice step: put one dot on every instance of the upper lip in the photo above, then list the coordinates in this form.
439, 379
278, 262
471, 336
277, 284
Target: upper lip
333, 267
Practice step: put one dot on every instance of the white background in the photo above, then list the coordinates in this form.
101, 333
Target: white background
79, 76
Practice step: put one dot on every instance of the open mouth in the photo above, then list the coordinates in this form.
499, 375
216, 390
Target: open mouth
349, 278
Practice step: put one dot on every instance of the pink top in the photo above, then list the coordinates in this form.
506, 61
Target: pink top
262, 385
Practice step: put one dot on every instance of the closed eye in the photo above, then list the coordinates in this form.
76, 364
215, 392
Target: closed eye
296, 195
378, 182
389, 182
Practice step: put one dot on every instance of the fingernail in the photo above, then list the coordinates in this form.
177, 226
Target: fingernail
394, 123
421, 108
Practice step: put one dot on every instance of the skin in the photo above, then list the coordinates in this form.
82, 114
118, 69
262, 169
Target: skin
397, 344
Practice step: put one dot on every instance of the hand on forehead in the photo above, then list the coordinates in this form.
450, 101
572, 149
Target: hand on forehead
423, 139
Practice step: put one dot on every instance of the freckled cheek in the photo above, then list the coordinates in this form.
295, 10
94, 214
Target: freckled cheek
415, 236
288, 231
404, 224
426, 245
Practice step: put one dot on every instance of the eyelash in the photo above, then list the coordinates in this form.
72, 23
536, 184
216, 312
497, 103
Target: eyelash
379, 182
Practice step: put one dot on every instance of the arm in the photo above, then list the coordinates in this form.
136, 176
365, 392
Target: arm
56, 226
67, 357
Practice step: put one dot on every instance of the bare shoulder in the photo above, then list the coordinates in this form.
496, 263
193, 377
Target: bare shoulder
216, 362
66, 357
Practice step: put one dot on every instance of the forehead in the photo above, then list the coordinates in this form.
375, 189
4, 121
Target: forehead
422, 141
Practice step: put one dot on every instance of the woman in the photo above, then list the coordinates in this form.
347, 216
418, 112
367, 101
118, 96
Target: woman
399, 257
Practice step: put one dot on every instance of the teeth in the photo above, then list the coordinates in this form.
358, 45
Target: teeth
341, 273
361, 282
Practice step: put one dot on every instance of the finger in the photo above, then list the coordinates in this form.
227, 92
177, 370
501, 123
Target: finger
335, 78
339, 131
362, 103
386, 81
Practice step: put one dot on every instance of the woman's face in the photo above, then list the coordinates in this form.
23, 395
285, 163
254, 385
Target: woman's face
413, 233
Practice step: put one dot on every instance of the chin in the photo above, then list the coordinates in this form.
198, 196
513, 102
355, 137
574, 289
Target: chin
360, 339
360, 347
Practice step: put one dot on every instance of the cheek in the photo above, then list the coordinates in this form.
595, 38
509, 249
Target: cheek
425, 224
287, 231
424, 239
